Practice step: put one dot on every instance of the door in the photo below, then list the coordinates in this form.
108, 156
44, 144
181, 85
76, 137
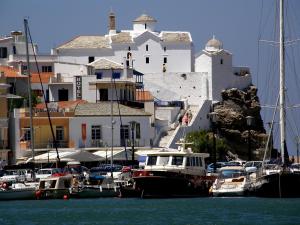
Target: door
103, 94
63, 95
124, 134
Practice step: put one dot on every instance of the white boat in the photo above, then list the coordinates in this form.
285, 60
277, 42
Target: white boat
231, 181
107, 188
18, 191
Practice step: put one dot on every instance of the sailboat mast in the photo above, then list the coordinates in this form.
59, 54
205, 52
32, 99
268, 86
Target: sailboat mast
29, 89
282, 83
112, 125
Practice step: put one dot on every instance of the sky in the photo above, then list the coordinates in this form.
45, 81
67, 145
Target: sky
239, 24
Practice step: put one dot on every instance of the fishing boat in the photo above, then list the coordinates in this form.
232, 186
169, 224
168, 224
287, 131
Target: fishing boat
172, 173
231, 181
284, 182
54, 187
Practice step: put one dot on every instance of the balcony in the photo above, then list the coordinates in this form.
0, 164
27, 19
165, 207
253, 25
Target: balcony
25, 145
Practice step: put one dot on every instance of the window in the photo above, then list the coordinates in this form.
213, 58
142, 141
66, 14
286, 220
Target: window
96, 132
177, 160
125, 131
14, 50
145, 26
91, 59
147, 60
151, 160
129, 48
46, 69
59, 133
165, 60
165, 49
98, 75
116, 75
147, 48
163, 160
137, 131
221, 61
27, 135
188, 161
3, 52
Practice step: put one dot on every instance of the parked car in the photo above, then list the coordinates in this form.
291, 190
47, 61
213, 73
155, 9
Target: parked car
210, 167
252, 166
17, 175
295, 168
46, 172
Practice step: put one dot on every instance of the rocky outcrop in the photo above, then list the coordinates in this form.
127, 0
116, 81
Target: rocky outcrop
232, 124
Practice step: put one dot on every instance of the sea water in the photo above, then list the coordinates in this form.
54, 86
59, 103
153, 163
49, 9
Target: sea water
188, 211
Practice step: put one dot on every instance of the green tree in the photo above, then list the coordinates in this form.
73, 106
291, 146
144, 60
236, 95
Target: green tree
203, 142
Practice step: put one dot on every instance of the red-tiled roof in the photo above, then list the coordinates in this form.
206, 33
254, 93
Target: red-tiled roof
143, 96
63, 104
10, 72
45, 77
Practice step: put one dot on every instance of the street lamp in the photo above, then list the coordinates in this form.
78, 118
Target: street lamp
297, 140
250, 120
213, 118
132, 126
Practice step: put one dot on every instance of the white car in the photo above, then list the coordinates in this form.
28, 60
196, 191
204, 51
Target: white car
47, 172
252, 166
15, 176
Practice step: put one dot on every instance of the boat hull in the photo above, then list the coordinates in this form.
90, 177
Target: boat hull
95, 192
171, 184
53, 194
27, 194
285, 185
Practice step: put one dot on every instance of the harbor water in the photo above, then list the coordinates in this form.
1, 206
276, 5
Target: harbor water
114, 211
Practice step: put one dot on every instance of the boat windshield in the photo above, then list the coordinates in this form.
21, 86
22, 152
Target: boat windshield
231, 173
177, 160
151, 160
163, 160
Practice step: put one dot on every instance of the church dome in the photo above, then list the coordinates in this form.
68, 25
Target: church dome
213, 45
144, 18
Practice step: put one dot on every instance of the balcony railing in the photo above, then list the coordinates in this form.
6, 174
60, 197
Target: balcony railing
25, 145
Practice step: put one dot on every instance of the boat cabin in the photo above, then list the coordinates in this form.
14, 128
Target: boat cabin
60, 182
176, 160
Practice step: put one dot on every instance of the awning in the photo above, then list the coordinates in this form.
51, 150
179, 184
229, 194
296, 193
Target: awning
66, 156
117, 154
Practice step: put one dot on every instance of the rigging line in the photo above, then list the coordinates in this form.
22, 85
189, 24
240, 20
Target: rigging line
120, 117
293, 118
271, 62
293, 68
43, 92
269, 135
258, 46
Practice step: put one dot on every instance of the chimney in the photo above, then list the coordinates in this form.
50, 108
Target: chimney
112, 23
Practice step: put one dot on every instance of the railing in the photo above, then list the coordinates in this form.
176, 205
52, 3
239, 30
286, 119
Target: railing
25, 145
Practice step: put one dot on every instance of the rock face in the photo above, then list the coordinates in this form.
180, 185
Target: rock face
232, 124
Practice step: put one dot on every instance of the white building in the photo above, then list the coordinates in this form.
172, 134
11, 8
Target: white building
96, 120
13, 53
146, 50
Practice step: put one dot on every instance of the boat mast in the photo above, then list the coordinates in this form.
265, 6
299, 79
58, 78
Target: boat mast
112, 125
282, 84
29, 90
